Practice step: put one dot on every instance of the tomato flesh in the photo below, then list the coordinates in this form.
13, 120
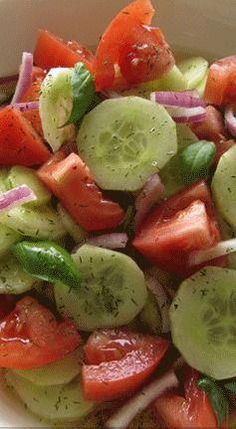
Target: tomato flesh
31, 337
133, 48
221, 82
71, 182
178, 226
192, 411
51, 51
124, 361
19, 142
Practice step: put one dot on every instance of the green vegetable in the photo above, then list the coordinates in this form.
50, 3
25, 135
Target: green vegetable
55, 106
47, 261
83, 92
74, 230
13, 279
217, 398
194, 70
195, 160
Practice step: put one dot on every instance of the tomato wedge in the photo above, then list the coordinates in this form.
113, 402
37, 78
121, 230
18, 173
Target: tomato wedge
31, 337
178, 226
51, 51
192, 411
221, 82
129, 368
70, 180
133, 48
19, 142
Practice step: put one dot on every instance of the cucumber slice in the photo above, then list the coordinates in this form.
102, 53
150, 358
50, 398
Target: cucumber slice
42, 223
112, 291
13, 280
55, 106
202, 85
224, 186
61, 403
171, 175
151, 316
194, 70
60, 372
74, 230
227, 233
7, 237
173, 81
203, 318
3, 180
27, 176
125, 140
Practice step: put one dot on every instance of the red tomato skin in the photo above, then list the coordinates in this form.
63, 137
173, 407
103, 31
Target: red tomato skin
113, 344
221, 86
19, 142
122, 38
51, 51
31, 337
71, 182
194, 411
114, 379
178, 226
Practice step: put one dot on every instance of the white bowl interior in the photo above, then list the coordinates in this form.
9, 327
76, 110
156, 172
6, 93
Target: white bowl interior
200, 27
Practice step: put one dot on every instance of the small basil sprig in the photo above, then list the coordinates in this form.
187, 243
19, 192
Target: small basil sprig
216, 396
83, 89
195, 160
47, 261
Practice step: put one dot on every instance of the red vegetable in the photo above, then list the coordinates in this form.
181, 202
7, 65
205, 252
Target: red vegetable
51, 51
19, 142
181, 224
124, 361
31, 337
185, 412
221, 82
70, 180
128, 45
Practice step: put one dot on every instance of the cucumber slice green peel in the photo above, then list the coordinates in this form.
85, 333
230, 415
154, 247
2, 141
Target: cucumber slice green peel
203, 319
60, 403
48, 261
112, 291
125, 140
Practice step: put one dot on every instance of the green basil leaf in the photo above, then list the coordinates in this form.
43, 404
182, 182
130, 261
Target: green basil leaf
216, 396
47, 261
83, 93
195, 160
231, 386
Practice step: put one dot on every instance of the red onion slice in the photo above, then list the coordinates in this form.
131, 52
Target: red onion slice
23, 107
163, 301
122, 418
230, 120
221, 249
150, 195
178, 99
15, 197
182, 115
25, 75
109, 241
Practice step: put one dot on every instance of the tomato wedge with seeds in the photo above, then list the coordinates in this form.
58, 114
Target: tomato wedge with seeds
221, 82
71, 182
192, 411
129, 360
121, 49
30, 336
180, 225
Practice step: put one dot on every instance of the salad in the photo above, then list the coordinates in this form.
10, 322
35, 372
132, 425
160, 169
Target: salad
117, 226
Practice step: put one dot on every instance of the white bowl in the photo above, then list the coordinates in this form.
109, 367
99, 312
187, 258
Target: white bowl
192, 26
